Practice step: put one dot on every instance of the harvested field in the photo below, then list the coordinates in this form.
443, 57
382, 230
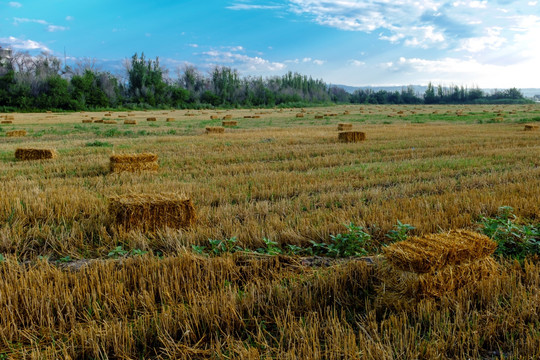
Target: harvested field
82, 279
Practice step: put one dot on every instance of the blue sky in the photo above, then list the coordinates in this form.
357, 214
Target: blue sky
371, 42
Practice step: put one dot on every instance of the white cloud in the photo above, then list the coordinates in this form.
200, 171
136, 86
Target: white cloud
471, 4
242, 62
18, 21
15, 4
253, 7
54, 28
318, 62
492, 40
354, 62
69, 18
193, 45
306, 59
532, 3
21, 44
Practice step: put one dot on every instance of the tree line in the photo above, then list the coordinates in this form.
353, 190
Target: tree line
41, 82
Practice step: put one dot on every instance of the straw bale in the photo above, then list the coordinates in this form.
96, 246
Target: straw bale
100, 121
190, 114
16, 133
247, 117
107, 114
109, 122
130, 122
531, 127
351, 136
171, 119
7, 122
214, 117
134, 162
215, 129
319, 117
131, 114
256, 117
10, 117
435, 251
227, 117
299, 115
85, 121
344, 126
151, 212
399, 286
151, 119
34, 154
346, 112
229, 123
122, 116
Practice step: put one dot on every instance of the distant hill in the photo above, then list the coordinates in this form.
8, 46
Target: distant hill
420, 89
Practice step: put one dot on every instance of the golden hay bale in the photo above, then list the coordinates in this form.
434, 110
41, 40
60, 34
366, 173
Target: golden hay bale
344, 126
229, 123
214, 117
399, 286
351, 136
151, 211
122, 116
109, 122
131, 114
227, 117
99, 121
130, 122
256, 117
107, 114
171, 119
190, 114
346, 112
86, 121
151, 119
215, 129
319, 117
247, 117
300, 115
134, 162
435, 251
7, 122
530, 127
35, 154
16, 133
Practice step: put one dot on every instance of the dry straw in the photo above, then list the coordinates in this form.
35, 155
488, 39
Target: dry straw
530, 127
134, 162
319, 117
229, 123
35, 154
7, 122
247, 117
215, 129
130, 122
435, 251
170, 119
351, 136
151, 212
300, 115
16, 133
151, 119
344, 126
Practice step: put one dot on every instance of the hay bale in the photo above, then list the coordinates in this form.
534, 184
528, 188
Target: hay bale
130, 122
10, 117
214, 117
107, 114
531, 127
134, 162
151, 119
247, 117
344, 126
190, 114
86, 121
351, 136
215, 129
109, 122
229, 123
100, 121
122, 116
300, 115
16, 133
171, 119
151, 212
34, 154
227, 117
256, 117
435, 251
7, 122
346, 112
319, 117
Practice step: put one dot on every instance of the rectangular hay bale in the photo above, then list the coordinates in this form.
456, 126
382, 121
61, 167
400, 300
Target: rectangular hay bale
34, 154
229, 123
351, 136
344, 126
531, 127
130, 122
134, 162
16, 133
215, 129
7, 122
151, 212
86, 121
151, 119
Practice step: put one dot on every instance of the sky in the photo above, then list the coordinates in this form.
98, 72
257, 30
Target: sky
490, 44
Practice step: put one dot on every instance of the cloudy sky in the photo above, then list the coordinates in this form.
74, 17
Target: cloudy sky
351, 42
